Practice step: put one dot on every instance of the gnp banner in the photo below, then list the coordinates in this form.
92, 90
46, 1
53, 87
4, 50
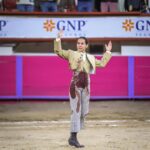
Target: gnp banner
91, 27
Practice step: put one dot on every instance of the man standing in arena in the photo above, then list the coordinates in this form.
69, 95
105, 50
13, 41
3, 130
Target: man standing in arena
81, 64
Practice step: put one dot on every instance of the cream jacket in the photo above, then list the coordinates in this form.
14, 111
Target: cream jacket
74, 56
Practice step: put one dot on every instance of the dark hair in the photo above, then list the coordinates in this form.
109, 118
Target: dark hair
84, 38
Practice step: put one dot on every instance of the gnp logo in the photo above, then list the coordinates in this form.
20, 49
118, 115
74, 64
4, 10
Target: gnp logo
66, 25
49, 25
139, 25
128, 25
2, 24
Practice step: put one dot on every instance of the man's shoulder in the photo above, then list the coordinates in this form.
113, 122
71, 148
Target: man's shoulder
90, 55
72, 51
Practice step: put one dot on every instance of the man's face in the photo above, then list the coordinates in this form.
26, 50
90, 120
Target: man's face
81, 45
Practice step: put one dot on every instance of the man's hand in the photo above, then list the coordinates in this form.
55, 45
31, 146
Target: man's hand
60, 34
108, 46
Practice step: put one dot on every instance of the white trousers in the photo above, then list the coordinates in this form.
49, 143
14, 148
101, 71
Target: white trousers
79, 104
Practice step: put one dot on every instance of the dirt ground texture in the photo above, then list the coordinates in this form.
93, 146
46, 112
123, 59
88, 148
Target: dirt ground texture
110, 125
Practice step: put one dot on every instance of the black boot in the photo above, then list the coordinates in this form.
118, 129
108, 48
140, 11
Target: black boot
73, 140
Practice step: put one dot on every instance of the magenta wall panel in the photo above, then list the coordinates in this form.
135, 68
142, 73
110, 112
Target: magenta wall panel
45, 76
142, 76
50, 76
111, 80
7, 75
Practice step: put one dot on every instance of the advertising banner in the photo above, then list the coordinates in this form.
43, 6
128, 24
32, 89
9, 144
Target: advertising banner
91, 27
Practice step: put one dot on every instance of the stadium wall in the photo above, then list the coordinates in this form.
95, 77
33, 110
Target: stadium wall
48, 77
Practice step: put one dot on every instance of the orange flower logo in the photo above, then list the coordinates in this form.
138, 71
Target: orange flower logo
49, 25
128, 25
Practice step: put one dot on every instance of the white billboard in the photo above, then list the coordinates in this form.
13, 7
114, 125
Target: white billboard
91, 27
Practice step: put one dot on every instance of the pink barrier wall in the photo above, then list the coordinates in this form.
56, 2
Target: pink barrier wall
45, 76
142, 76
49, 76
7, 76
111, 80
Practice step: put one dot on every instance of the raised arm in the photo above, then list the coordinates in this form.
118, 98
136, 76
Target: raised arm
58, 47
106, 57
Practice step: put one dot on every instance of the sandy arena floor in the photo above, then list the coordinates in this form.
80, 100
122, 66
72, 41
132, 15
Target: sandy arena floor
111, 125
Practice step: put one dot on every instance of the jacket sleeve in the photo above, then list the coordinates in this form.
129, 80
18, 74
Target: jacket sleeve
59, 51
104, 60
